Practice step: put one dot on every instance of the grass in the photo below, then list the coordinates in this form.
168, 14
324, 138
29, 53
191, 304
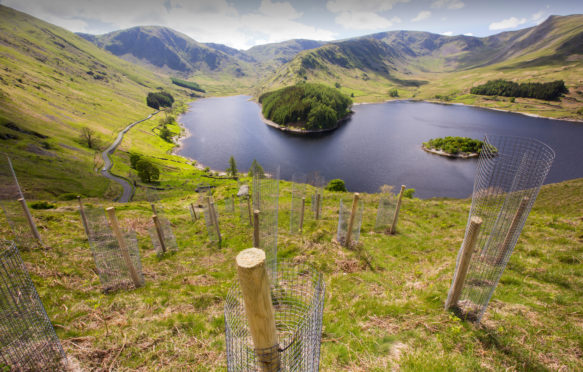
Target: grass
378, 317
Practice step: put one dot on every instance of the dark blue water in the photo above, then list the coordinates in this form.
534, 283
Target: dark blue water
380, 144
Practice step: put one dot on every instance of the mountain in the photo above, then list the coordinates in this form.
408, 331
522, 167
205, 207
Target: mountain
428, 66
54, 83
282, 52
167, 50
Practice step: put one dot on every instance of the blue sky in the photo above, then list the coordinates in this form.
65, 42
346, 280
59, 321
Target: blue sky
242, 24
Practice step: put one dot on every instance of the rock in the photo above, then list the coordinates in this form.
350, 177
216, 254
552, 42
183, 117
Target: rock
243, 190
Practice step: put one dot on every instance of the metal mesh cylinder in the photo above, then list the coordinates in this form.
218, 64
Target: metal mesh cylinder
27, 339
510, 173
266, 200
210, 212
317, 198
229, 205
167, 235
386, 211
344, 220
297, 209
111, 266
298, 301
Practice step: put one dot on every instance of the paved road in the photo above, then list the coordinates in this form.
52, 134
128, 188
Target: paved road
128, 190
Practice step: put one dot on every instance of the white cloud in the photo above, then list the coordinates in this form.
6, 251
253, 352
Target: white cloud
450, 4
340, 6
468, 34
538, 17
424, 14
507, 23
364, 21
447, 33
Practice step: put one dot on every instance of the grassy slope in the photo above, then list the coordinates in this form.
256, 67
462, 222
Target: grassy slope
540, 61
48, 84
374, 320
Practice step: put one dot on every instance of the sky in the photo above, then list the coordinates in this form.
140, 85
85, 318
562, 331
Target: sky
245, 23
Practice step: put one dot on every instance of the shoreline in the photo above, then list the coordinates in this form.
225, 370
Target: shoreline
462, 155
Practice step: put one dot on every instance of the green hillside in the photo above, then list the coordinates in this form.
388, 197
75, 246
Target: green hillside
427, 66
384, 300
55, 83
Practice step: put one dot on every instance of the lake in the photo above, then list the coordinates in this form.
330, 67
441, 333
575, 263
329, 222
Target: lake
380, 143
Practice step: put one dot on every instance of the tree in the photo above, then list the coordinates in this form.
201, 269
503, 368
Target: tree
88, 136
166, 134
336, 185
147, 171
256, 169
394, 92
134, 159
232, 170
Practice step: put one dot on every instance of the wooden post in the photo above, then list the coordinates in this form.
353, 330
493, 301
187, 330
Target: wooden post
464, 262
351, 220
122, 246
396, 215
513, 226
318, 206
249, 210
216, 220
255, 289
83, 216
159, 232
256, 228
153, 208
193, 211
302, 215
31, 223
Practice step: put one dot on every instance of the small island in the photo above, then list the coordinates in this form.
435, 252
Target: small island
305, 108
454, 147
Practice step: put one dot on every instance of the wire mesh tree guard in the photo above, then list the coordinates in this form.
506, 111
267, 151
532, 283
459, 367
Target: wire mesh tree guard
298, 203
297, 296
162, 236
13, 204
27, 339
211, 218
347, 209
229, 204
317, 199
111, 264
266, 201
245, 212
386, 210
509, 175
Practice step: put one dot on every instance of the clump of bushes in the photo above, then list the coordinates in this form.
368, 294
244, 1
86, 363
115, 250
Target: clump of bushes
187, 84
147, 171
156, 100
336, 185
455, 145
315, 106
394, 93
42, 205
550, 91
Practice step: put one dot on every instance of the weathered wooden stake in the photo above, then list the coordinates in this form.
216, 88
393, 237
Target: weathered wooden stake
122, 246
318, 206
83, 216
159, 232
249, 210
213, 212
153, 208
513, 226
193, 211
351, 220
397, 208
464, 263
302, 215
31, 223
256, 228
255, 289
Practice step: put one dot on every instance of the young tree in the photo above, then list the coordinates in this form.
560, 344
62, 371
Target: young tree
256, 169
147, 171
336, 185
165, 134
88, 136
232, 170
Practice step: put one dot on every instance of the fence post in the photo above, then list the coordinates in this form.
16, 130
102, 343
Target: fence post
216, 221
256, 228
83, 216
318, 206
397, 208
302, 214
154, 208
255, 289
249, 209
122, 246
512, 230
464, 262
31, 223
159, 232
351, 220
193, 211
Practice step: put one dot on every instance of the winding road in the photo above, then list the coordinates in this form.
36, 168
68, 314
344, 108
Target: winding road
128, 190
